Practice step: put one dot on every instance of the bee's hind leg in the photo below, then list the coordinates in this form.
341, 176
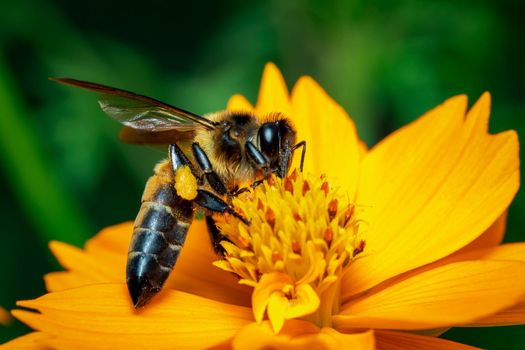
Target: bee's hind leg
215, 204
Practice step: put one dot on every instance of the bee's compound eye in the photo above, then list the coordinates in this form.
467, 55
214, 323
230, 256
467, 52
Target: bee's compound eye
269, 140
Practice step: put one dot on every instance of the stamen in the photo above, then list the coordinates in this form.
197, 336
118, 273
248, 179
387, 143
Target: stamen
306, 187
302, 236
288, 185
325, 187
332, 209
270, 217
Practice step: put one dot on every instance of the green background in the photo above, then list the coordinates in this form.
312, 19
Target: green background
64, 174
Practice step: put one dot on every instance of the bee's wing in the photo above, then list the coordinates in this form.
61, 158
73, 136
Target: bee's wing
135, 136
141, 112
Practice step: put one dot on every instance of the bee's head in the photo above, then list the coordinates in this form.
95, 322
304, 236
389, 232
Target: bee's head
276, 140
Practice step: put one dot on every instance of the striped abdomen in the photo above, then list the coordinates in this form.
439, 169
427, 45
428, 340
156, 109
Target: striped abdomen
158, 235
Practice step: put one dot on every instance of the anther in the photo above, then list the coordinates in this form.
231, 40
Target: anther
296, 247
360, 248
306, 187
270, 217
288, 185
325, 187
348, 214
260, 205
328, 235
332, 209
293, 175
296, 216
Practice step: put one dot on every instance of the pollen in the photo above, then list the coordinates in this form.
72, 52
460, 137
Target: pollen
185, 183
303, 234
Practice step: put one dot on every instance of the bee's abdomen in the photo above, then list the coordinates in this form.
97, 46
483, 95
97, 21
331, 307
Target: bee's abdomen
158, 235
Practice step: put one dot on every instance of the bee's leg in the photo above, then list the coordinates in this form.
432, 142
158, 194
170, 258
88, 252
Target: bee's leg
257, 158
214, 203
204, 163
216, 236
303, 152
179, 159
246, 189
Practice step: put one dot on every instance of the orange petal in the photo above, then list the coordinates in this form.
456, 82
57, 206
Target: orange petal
195, 273
4, 316
386, 340
513, 315
104, 260
509, 251
448, 295
57, 281
113, 238
333, 147
297, 335
31, 341
273, 93
239, 103
431, 188
490, 238
97, 269
101, 317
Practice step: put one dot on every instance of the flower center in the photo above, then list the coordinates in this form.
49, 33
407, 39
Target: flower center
302, 236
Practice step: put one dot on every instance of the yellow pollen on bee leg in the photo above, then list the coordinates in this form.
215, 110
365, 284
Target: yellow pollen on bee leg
185, 183
302, 236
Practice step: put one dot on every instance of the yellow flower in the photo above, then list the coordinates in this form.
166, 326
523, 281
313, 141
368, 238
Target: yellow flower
392, 246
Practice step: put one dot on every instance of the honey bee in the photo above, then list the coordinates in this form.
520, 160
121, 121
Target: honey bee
228, 149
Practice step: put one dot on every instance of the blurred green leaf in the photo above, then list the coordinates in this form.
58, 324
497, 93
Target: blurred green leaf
52, 209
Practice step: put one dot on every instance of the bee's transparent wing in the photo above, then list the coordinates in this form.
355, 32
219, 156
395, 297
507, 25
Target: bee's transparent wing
141, 115
141, 112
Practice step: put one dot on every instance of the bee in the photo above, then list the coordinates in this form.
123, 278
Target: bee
228, 149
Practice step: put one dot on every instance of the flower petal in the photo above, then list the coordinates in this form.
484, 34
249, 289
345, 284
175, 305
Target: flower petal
62, 280
277, 305
297, 335
31, 341
113, 238
332, 143
239, 103
453, 294
96, 269
273, 93
306, 302
490, 238
195, 273
268, 294
268, 284
104, 260
431, 188
101, 316
513, 315
4, 316
387, 340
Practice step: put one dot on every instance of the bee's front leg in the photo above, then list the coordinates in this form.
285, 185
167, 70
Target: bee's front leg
301, 144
